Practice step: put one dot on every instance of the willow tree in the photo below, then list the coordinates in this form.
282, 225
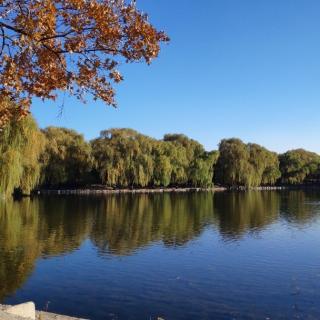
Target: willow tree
69, 45
67, 158
233, 164
202, 169
162, 165
265, 166
182, 152
298, 166
21, 144
124, 158
249, 165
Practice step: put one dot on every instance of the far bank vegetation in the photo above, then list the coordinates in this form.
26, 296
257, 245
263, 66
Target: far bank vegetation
55, 158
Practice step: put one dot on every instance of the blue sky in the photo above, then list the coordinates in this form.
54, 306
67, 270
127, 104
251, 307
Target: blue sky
234, 68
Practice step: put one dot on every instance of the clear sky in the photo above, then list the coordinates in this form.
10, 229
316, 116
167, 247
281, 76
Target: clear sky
234, 68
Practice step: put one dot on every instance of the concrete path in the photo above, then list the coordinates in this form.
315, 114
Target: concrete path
27, 311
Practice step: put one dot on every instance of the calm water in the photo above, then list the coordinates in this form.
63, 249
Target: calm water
190, 256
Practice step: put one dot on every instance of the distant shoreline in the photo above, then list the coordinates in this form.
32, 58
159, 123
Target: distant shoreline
102, 191
88, 191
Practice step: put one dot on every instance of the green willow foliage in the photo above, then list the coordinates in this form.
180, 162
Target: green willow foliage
67, 159
299, 166
248, 165
124, 158
21, 144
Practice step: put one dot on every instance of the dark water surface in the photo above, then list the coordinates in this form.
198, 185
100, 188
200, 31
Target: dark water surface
249, 255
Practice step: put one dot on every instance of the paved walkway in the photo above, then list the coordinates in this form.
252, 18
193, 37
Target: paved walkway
27, 311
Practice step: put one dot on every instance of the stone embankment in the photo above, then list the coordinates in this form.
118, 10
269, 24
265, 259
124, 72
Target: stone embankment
121, 191
27, 311
103, 191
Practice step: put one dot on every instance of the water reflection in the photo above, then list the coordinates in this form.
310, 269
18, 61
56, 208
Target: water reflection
122, 224
299, 207
125, 223
18, 248
239, 213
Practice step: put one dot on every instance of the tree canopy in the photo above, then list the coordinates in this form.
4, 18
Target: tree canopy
54, 157
66, 159
298, 166
124, 157
21, 145
248, 165
69, 45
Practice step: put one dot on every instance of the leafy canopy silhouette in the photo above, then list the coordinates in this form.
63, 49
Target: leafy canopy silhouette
69, 45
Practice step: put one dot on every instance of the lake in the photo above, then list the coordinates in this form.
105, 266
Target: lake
253, 255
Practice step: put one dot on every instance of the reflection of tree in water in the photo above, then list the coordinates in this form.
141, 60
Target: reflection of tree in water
242, 212
65, 224
299, 207
126, 223
18, 247
31, 228
121, 224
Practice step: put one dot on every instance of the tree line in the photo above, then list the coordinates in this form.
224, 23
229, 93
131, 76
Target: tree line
31, 158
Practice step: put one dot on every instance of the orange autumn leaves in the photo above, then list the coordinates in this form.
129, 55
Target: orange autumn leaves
69, 45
